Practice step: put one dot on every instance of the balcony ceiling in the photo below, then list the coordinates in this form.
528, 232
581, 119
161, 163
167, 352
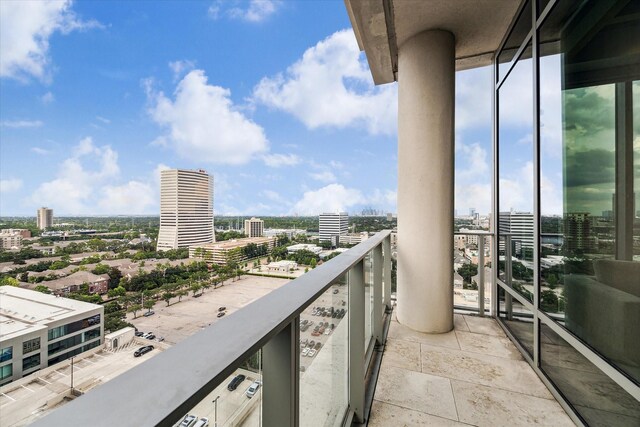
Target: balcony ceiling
478, 25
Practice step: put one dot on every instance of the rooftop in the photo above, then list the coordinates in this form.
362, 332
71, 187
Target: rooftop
235, 243
33, 310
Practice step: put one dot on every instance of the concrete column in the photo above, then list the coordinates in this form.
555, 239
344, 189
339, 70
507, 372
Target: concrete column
426, 104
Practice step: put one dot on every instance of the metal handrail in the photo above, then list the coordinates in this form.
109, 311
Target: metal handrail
164, 388
481, 234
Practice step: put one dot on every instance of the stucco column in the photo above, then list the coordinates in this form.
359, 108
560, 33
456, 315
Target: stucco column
426, 103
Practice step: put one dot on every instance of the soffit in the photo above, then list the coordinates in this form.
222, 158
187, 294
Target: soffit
478, 25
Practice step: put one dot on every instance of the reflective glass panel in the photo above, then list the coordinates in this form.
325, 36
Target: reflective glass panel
515, 192
324, 346
517, 318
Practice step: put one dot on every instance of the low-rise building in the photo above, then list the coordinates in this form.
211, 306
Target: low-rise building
98, 284
304, 246
229, 250
38, 330
284, 266
289, 232
353, 238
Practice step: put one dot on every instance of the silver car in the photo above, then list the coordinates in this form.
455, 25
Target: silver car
253, 388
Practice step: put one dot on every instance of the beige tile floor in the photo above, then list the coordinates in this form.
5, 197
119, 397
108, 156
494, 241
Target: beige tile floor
472, 375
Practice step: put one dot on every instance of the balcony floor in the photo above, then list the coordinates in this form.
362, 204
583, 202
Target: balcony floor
472, 375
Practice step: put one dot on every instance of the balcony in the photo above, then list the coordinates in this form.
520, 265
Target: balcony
473, 374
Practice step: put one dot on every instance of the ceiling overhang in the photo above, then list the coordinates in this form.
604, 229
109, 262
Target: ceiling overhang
382, 26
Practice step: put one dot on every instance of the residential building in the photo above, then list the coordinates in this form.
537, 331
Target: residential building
353, 238
284, 266
577, 232
23, 232
97, 284
230, 250
45, 218
332, 226
10, 240
186, 209
254, 227
39, 330
289, 232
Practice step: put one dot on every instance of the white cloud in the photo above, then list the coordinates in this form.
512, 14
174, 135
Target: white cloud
47, 98
257, 11
203, 125
473, 195
86, 183
20, 124
331, 86
324, 176
103, 120
332, 198
473, 98
10, 185
277, 160
134, 197
25, 29
180, 67
40, 151
274, 196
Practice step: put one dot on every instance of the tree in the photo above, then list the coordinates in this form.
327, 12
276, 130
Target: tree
549, 301
43, 289
313, 263
166, 297
9, 281
58, 265
101, 269
181, 293
467, 271
552, 281
195, 288
134, 308
117, 292
149, 303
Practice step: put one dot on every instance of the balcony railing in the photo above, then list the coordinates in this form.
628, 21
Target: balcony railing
349, 295
466, 297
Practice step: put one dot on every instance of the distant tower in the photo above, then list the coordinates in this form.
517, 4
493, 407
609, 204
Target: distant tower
254, 227
186, 208
45, 218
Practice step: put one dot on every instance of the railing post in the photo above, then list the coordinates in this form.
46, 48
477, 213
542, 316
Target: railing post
377, 294
481, 275
356, 340
280, 377
386, 272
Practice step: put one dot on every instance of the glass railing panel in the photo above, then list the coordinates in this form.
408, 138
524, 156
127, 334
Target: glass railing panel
235, 402
368, 299
324, 344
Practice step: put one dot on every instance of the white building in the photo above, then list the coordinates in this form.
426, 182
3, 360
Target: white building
519, 225
353, 238
304, 246
38, 330
230, 250
284, 266
186, 209
332, 226
10, 239
289, 232
254, 227
45, 218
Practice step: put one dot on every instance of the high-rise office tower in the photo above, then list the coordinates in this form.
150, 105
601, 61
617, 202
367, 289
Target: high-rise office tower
254, 227
45, 218
186, 208
519, 225
333, 225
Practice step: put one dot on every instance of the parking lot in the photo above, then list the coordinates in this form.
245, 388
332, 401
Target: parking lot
182, 319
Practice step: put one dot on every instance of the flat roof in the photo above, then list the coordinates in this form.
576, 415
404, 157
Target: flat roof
235, 243
23, 310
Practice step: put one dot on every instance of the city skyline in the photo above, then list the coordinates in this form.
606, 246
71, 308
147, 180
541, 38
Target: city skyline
97, 126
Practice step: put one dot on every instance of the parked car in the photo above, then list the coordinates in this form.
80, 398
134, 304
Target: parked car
139, 333
147, 335
335, 291
149, 313
235, 382
305, 351
222, 313
311, 343
312, 352
318, 345
188, 421
202, 422
151, 337
253, 389
143, 350
222, 308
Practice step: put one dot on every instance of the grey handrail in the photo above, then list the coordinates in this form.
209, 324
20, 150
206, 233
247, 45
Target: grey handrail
164, 388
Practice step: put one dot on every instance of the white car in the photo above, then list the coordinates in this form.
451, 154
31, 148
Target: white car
312, 352
305, 351
253, 388
188, 421
202, 422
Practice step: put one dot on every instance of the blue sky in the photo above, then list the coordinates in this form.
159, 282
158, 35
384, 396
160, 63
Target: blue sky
272, 97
